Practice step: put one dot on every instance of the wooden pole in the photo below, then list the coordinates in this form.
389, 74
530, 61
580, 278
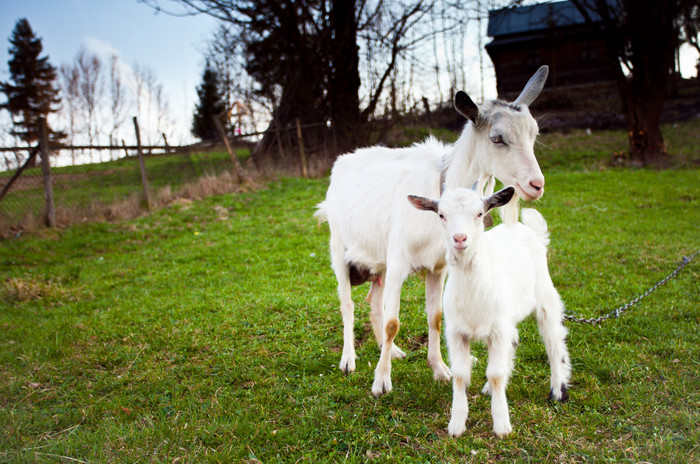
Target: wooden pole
18, 173
426, 106
222, 134
46, 172
142, 165
280, 145
165, 140
302, 154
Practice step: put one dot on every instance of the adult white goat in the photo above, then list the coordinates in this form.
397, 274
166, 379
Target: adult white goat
495, 280
376, 235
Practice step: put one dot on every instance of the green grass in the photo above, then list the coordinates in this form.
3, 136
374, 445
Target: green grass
577, 150
86, 188
210, 332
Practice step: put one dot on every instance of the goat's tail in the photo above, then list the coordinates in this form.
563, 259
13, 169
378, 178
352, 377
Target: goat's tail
321, 213
535, 221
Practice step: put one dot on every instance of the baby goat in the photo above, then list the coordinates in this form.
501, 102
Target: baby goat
495, 279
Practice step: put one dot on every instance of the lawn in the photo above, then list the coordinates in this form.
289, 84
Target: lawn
86, 191
209, 331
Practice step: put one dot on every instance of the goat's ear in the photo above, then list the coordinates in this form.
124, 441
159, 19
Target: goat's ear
422, 203
499, 198
533, 87
466, 106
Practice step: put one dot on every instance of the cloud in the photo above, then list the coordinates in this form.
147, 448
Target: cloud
105, 51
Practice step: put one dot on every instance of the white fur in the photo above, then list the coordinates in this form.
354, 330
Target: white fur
496, 279
373, 226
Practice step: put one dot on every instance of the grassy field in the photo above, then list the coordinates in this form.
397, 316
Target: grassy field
209, 331
100, 190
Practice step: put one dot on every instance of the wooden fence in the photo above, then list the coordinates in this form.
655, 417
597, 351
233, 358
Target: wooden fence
45, 147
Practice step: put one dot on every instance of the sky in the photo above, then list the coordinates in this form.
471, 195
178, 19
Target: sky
172, 47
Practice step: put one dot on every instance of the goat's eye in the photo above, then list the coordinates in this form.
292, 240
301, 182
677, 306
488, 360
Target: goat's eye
498, 140
480, 215
442, 216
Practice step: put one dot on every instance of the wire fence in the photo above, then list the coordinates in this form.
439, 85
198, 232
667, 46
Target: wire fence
126, 187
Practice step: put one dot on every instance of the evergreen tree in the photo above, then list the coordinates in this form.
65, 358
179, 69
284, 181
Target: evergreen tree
211, 103
31, 91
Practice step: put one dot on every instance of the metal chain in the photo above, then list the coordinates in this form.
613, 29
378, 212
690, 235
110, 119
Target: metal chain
622, 309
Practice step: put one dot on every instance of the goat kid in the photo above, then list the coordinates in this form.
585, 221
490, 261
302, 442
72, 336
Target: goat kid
376, 235
495, 279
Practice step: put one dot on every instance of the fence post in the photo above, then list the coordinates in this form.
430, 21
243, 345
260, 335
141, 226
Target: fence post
46, 173
142, 165
278, 137
302, 154
426, 107
222, 134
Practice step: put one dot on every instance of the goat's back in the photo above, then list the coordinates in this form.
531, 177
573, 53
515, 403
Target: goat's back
366, 202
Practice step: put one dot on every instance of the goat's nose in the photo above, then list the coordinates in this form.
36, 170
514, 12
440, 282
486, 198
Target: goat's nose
537, 184
459, 238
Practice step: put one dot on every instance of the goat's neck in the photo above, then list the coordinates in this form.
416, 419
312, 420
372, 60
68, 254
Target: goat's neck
462, 163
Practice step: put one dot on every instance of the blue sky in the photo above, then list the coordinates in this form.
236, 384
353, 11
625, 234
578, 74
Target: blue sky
171, 46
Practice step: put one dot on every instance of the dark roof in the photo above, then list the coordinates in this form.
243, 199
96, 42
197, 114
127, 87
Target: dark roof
533, 18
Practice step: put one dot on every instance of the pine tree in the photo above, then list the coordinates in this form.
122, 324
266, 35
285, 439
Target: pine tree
31, 91
211, 103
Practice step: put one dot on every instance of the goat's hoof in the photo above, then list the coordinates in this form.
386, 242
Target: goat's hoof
347, 370
456, 428
441, 371
347, 365
382, 385
501, 430
561, 395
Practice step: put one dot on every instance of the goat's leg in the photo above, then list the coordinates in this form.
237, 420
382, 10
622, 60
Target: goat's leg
461, 362
553, 332
347, 308
501, 351
433, 307
375, 297
392, 297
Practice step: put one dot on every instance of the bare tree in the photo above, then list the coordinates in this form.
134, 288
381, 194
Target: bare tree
139, 85
162, 109
117, 98
90, 87
304, 55
151, 103
70, 77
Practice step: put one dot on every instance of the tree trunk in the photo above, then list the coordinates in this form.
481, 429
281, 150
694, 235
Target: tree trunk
643, 93
644, 36
345, 78
322, 85
643, 113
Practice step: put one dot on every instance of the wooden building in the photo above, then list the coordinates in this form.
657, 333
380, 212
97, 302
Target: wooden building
555, 34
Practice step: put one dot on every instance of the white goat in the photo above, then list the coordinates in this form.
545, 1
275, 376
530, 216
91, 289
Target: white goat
376, 235
495, 279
